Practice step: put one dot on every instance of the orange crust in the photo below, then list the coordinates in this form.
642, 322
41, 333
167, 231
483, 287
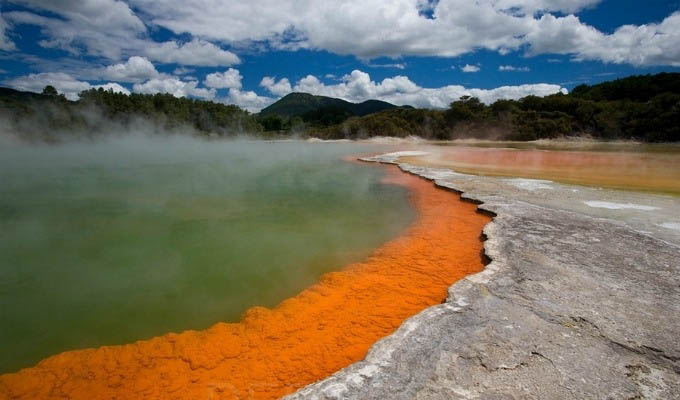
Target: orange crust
271, 353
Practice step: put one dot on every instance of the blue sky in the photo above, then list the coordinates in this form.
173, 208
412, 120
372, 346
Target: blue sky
420, 52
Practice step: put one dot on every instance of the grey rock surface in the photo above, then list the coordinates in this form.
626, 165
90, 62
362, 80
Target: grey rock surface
581, 300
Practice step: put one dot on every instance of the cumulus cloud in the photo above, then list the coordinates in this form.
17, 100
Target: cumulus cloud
195, 52
102, 27
372, 28
175, 87
355, 87
229, 79
115, 87
280, 88
367, 29
135, 69
6, 43
247, 100
64, 83
649, 44
400, 90
112, 16
71, 87
470, 68
513, 68
110, 29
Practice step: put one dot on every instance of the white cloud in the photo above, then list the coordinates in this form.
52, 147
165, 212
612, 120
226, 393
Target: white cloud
513, 68
110, 29
649, 44
195, 52
6, 43
374, 28
175, 87
470, 68
365, 28
116, 88
111, 16
388, 65
135, 69
280, 88
400, 90
64, 83
71, 87
355, 87
102, 27
230, 78
247, 100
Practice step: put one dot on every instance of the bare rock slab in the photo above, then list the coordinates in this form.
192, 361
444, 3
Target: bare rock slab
578, 302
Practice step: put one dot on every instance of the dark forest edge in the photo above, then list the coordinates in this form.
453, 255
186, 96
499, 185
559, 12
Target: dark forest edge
643, 108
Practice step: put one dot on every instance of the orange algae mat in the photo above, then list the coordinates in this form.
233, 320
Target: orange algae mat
271, 353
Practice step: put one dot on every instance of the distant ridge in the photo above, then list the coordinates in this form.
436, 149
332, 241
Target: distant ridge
298, 104
18, 95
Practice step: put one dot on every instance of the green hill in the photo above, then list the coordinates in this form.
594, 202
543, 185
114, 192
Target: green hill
7, 95
644, 108
299, 104
638, 88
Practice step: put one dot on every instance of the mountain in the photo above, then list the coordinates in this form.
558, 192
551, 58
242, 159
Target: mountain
298, 104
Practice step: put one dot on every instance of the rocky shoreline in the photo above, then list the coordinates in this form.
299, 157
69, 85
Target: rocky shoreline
581, 300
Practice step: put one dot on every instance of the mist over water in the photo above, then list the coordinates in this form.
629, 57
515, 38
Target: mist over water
133, 237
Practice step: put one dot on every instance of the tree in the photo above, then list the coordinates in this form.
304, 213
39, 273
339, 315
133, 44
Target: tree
50, 91
466, 109
272, 123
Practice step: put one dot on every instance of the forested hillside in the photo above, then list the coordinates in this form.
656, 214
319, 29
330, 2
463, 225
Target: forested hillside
299, 104
296, 111
645, 108
51, 117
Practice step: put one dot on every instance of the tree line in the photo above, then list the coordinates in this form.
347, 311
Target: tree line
645, 108
51, 117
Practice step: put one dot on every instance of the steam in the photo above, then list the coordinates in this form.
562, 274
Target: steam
51, 124
133, 234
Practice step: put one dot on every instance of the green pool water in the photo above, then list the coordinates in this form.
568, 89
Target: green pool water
116, 241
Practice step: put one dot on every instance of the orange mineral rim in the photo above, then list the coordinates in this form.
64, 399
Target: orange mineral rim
271, 353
